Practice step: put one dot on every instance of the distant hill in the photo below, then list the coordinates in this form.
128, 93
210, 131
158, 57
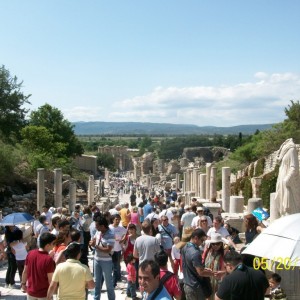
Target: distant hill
140, 128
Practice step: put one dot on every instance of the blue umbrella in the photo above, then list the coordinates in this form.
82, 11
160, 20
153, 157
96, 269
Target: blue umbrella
16, 218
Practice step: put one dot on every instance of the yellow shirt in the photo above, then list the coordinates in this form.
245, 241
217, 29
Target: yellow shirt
72, 277
124, 219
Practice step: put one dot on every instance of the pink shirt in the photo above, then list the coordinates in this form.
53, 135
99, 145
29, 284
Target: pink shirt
131, 272
134, 218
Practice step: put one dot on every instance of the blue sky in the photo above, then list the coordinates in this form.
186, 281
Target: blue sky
220, 63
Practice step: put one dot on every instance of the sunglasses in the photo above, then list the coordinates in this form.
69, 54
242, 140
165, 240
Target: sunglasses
164, 219
216, 244
203, 221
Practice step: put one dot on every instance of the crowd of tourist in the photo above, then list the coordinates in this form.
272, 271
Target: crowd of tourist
159, 231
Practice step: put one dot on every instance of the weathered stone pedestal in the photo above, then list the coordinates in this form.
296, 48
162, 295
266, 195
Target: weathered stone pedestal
253, 203
236, 204
235, 220
213, 207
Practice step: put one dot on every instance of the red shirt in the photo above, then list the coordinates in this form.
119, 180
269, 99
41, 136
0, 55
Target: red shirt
171, 285
38, 265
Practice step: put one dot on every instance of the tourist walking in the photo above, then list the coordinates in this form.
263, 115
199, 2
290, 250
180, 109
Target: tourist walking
146, 245
11, 234
20, 250
39, 268
213, 258
196, 287
103, 242
71, 278
167, 278
131, 277
242, 282
149, 280
119, 233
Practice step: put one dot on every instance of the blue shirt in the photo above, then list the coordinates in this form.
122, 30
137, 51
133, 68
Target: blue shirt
147, 209
163, 295
167, 239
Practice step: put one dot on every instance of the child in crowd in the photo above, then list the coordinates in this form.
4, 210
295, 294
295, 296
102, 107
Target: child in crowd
131, 277
275, 291
175, 253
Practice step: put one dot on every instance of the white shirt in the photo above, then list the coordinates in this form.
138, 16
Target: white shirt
187, 219
152, 216
167, 213
48, 215
20, 250
119, 232
196, 219
175, 253
223, 231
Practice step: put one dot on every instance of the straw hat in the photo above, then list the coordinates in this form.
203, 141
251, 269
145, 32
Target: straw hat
186, 236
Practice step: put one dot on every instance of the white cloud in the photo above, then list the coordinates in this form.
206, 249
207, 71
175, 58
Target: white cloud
82, 113
260, 101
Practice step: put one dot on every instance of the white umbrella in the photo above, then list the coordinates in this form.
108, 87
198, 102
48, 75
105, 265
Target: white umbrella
279, 242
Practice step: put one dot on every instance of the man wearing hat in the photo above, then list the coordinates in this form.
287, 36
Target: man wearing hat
187, 217
193, 268
196, 220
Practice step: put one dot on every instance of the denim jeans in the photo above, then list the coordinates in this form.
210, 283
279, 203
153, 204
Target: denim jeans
116, 260
131, 289
103, 269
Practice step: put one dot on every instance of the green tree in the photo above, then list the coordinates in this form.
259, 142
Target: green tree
105, 160
60, 128
12, 99
9, 161
42, 150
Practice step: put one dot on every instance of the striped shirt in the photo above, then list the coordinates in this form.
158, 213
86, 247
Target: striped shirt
106, 239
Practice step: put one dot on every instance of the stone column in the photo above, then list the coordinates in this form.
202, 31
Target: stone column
98, 182
148, 181
253, 203
185, 175
189, 180
106, 178
72, 195
236, 204
40, 188
195, 181
274, 208
202, 186
213, 183
177, 181
226, 188
91, 189
57, 187
208, 170
256, 183
197, 191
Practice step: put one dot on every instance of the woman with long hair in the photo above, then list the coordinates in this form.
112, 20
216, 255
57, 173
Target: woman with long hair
251, 224
60, 244
213, 259
11, 235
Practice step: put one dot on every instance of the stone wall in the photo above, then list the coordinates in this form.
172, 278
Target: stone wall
87, 163
120, 154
